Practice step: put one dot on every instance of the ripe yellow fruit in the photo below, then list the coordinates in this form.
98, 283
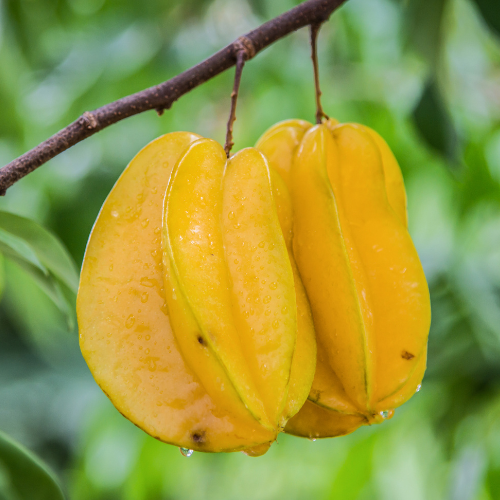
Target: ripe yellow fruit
366, 287
187, 304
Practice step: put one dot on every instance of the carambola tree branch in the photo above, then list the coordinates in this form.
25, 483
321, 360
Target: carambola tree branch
162, 96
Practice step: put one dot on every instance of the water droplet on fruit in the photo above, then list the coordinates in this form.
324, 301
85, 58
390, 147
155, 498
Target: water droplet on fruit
276, 323
230, 216
145, 222
129, 323
267, 299
384, 414
419, 386
144, 297
186, 452
157, 230
273, 285
148, 282
261, 244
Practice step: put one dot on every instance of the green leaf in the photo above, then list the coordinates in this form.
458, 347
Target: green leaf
491, 13
49, 251
53, 289
434, 123
12, 246
23, 476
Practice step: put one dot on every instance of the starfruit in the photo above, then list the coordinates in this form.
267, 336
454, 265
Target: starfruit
192, 316
366, 287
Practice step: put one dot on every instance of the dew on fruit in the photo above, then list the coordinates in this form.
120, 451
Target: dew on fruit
129, 323
230, 216
261, 244
276, 324
145, 281
273, 285
419, 386
267, 299
186, 452
384, 414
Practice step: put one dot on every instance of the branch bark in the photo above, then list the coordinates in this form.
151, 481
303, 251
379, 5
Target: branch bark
162, 96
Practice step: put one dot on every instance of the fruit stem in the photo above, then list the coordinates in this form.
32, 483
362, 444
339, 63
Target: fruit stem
241, 57
320, 114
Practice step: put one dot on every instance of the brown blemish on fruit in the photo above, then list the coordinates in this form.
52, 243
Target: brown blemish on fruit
407, 355
198, 437
201, 340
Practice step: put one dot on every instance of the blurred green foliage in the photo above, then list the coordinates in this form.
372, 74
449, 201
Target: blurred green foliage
424, 74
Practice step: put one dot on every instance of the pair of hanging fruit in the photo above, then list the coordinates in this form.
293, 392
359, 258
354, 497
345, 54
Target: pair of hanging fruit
223, 301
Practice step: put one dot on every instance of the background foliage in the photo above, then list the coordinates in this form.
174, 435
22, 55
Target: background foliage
425, 74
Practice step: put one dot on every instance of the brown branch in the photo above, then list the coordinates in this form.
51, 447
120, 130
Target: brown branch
161, 97
241, 56
320, 114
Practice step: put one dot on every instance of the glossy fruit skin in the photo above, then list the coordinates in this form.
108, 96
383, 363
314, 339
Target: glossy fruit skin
363, 278
136, 321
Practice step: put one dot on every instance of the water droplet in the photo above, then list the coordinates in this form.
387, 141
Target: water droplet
261, 244
114, 213
148, 337
276, 323
129, 323
236, 261
139, 337
313, 439
154, 190
230, 216
148, 282
267, 299
145, 223
186, 452
111, 267
268, 312
273, 285
147, 351
384, 414
284, 309
157, 230
419, 386
144, 297
271, 246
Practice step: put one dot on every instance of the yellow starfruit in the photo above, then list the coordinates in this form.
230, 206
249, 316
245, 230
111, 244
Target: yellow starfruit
190, 308
367, 290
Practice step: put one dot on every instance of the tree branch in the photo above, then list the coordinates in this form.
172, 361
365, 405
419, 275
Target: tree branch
161, 97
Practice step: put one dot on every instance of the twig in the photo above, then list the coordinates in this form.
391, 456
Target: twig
241, 57
320, 114
161, 97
